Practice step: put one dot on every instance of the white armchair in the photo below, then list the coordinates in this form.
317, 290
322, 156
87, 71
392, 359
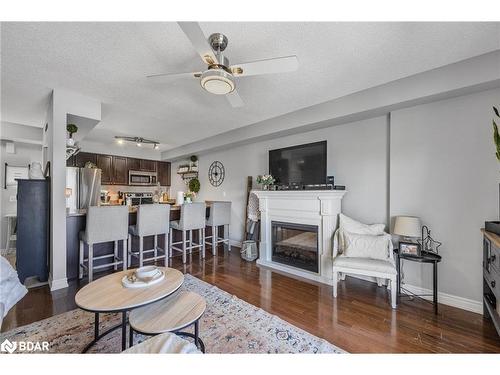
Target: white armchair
378, 268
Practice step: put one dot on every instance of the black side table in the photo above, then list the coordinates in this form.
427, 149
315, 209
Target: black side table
425, 257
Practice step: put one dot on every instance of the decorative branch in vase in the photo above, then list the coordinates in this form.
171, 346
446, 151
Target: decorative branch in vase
496, 135
265, 180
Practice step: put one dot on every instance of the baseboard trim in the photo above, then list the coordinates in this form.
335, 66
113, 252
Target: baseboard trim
58, 284
235, 243
449, 299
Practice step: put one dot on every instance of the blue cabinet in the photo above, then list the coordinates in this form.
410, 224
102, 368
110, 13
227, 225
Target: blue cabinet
33, 222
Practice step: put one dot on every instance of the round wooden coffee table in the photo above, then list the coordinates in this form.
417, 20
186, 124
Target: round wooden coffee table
108, 295
171, 314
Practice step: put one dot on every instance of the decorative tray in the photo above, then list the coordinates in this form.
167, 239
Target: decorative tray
132, 281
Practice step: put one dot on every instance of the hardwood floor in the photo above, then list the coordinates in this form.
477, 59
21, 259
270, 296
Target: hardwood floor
360, 320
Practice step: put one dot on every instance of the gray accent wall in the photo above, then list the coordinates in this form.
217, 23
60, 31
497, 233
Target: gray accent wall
435, 160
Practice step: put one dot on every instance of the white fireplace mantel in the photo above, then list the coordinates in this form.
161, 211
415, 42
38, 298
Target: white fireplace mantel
310, 207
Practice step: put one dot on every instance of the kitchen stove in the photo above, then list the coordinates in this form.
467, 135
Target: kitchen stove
138, 198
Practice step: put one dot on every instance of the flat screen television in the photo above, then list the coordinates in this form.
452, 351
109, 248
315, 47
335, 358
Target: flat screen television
299, 165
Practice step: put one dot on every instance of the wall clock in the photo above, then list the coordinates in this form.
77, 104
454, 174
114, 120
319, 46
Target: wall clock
216, 173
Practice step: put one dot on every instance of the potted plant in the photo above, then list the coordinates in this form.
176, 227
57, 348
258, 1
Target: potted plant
265, 180
71, 129
194, 185
189, 196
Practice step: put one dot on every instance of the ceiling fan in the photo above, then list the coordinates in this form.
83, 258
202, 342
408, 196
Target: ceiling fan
219, 77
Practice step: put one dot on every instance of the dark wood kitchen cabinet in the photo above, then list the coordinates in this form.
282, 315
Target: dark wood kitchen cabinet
163, 169
115, 169
105, 164
148, 165
120, 171
83, 157
133, 164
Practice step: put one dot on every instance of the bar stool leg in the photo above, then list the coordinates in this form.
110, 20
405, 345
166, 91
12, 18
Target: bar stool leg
91, 262
156, 246
165, 249
141, 248
184, 246
170, 236
124, 254
226, 235
115, 267
214, 240
80, 265
203, 243
190, 241
129, 245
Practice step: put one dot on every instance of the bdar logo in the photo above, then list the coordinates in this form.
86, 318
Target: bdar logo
8, 346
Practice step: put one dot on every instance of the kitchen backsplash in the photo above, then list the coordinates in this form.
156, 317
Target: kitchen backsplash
114, 189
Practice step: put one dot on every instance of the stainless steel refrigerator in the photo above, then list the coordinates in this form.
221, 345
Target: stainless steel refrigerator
83, 187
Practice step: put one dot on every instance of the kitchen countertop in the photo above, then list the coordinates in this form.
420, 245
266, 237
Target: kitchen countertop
132, 210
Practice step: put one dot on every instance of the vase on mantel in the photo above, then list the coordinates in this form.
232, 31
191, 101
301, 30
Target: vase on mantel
265, 187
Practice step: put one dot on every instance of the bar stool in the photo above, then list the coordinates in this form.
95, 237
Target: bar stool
192, 218
104, 224
152, 220
220, 214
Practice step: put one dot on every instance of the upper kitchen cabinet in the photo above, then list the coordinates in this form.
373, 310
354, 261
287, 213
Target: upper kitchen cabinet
133, 164
120, 171
148, 165
163, 169
105, 164
83, 157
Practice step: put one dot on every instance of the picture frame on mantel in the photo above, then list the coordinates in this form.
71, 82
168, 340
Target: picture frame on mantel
409, 248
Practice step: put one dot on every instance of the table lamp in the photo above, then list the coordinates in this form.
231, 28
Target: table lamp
407, 226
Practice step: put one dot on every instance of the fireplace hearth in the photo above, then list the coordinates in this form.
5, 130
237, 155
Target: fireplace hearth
295, 245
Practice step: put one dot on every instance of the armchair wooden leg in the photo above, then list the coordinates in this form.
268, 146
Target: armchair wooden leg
335, 282
394, 292
165, 249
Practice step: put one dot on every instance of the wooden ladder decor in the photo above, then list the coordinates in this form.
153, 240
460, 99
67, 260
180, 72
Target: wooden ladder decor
249, 188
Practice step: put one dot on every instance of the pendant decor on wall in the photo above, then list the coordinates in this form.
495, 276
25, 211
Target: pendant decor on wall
216, 173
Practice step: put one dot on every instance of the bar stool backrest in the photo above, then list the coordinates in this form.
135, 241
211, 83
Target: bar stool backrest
105, 224
153, 219
220, 214
192, 216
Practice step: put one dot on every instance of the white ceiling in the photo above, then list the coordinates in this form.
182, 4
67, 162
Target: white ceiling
109, 61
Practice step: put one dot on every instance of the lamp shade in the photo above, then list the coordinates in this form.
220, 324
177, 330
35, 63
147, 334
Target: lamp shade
407, 226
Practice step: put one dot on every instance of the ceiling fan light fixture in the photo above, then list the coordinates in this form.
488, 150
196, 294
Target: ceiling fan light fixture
217, 81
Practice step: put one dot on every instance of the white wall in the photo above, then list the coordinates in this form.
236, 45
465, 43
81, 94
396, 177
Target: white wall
357, 157
23, 156
444, 170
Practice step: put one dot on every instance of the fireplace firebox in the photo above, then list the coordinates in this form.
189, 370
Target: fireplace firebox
295, 245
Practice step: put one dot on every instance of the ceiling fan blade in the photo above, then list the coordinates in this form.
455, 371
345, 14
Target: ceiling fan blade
172, 76
198, 39
235, 99
267, 66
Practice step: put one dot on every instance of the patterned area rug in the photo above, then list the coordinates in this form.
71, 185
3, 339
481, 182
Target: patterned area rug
229, 325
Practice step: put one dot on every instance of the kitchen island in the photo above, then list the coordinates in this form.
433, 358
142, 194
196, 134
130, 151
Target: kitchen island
76, 222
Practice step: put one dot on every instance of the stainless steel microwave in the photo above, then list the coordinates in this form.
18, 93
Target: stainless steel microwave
142, 178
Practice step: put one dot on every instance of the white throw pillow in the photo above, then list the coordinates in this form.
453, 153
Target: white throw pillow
347, 224
365, 246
